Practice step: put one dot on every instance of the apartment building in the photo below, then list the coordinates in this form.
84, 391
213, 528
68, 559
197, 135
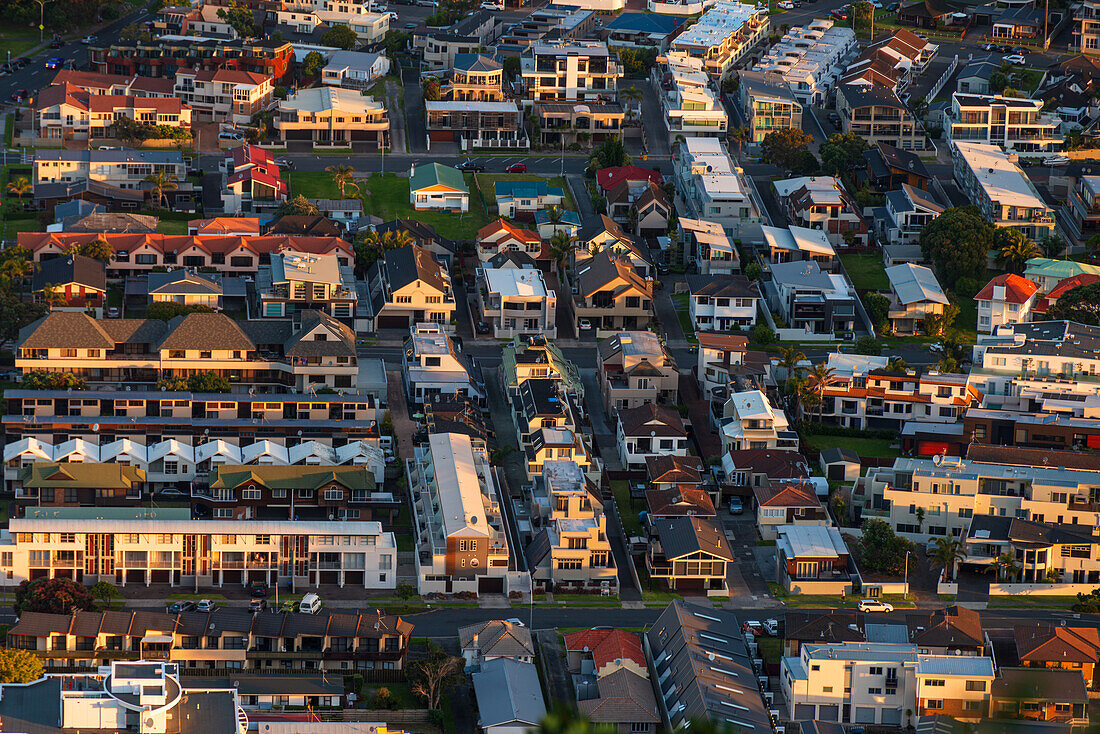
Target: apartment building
332, 116
1048, 356
749, 421
516, 301
1086, 28
476, 123
470, 34
574, 71
715, 189
409, 286
809, 298
1006, 299
636, 368
77, 484
140, 546
93, 83
537, 358
609, 295
767, 103
810, 59
1049, 274
724, 364
822, 202
722, 37
461, 544
569, 549
297, 281
370, 27
689, 100
1044, 552
546, 425
124, 169
221, 95
433, 365
1011, 123
318, 351
722, 302
65, 112
164, 56
228, 638
877, 115
709, 245
994, 181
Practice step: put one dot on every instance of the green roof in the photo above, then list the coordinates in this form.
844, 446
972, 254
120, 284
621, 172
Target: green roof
570, 375
1059, 268
108, 513
292, 477
435, 174
77, 474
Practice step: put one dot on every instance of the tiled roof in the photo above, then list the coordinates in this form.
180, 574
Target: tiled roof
609, 178
651, 419
607, 646
1017, 288
1052, 643
625, 698
668, 469
680, 501
728, 342
497, 638
501, 226
786, 495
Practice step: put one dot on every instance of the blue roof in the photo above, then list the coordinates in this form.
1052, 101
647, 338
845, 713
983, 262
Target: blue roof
525, 190
645, 23
542, 216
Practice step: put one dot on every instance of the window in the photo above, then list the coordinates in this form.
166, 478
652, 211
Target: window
67, 537
936, 682
874, 691
876, 671
334, 494
385, 562
638, 727
171, 467
250, 494
973, 706
68, 352
934, 703
975, 685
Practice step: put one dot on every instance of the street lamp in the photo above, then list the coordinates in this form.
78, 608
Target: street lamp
907, 573
41, 20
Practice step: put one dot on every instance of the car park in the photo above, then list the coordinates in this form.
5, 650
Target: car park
179, 607
874, 605
516, 168
1014, 59
204, 605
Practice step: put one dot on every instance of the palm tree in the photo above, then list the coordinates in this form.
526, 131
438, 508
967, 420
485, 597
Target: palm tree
374, 244
343, 176
945, 555
562, 245
897, 364
52, 296
788, 360
631, 94
16, 270
20, 186
1005, 566
808, 398
1016, 250
740, 135
162, 182
820, 376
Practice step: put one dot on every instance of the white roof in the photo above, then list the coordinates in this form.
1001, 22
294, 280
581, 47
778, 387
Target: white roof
716, 25
800, 239
31, 446
123, 447
230, 454
301, 266
810, 541
751, 404
846, 365
303, 452
812, 183
700, 225
458, 484
515, 282
915, 283
469, 106
230, 527
171, 447
1003, 181
324, 99
74, 447
253, 453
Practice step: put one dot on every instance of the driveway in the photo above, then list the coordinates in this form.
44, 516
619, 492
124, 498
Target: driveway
403, 427
553, 666
745, 575
653, 122
416, 141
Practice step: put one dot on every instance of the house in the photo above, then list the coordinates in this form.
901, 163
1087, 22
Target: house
813, 560
767, 103
820, 202
65, 112
547, 226
1084, 208
750, 422
435, 187
602, 651
974, 77
710, 246
291, 492
517, 198
515, 302
668, 472
462, 545
892, 62
808, 298
496, 639
1014, 124
535, 358
252, 180
433, 365
649, 430
624, 695
1031, 694
1044, 303
605, 234
690, 101
1007, 299
722, 302
799, 243
787, 503
759, 467
876, 114
1048, 274
224, 95
226, 226
888, 167
927, 13
906, 212
992, 180
724, 35
330, 115
115, 84
677, 501
689, 554
609, 179
501, 236
642, 30
103, 221
840, 465
77, 484
474, 78
80, 281
686, 633
609, 296
409, 286
569, 71
915, 294
636, 368
354, 69
645, 212
476, 123
810, 58
295, 281
724, 364
184, 287
509, 697
341, 212
303, 225
1055, 646
441, 47
539, 404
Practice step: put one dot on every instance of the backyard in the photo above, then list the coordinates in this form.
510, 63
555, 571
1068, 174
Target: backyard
866, 271
683, 314
876, 447
628, 515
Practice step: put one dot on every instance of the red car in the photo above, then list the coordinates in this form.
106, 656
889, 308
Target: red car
516, 168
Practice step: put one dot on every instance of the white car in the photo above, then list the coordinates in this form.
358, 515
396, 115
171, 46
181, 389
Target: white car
516, 621
874, 605
205, 605
1055, 160
490, 5
88, 40
786, 5
1014, 59
584, 324
230, 136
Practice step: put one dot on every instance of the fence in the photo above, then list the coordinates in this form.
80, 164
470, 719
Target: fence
943, 79
1040, 589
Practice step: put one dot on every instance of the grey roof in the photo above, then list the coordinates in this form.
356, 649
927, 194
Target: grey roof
206, 331
497, 638
980, 69
271, 685
833, 456
516, 258
70, 189
508, 692
897, 634
766, 85
304, 225
722, 286
113, 156
801, 273
915, 284
71, 269
182, 282
862, 95
681, 536
625, 697
33, 709
358, 60
408, 264
955, 665
476, 62
921, 198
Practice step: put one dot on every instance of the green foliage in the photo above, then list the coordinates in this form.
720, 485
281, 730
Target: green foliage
431, 89
1081, 304
240, 18
937, 324
41, 380
59, 15
868, 345
956, 243
511, 67
762, 334
842, 152
1052, 245
104, 592
785, 147
1014, 249
136, 132
599, 203
405, 591
52, 596
168, 310
1088, 603
610, 153
806, 164
203, 382
311, 65
968, 287
878, 306
385, 700
881, 549
395, 41
998, 80
97, 249
753, 271
340, 36
637, 61
19, 666
299, 206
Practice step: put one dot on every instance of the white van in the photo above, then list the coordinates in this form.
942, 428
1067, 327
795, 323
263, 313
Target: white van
310, 604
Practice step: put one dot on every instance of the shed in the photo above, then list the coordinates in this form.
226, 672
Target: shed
840, 465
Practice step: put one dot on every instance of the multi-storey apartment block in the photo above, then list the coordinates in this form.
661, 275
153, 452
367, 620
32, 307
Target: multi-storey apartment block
535, 358
810, 58
480, 123
516, 301
163, 57
877, 115
66, 112
714, 188
125, 169
690, 102
141, 546
570, 71
993, 180
461, 544
636, 368
332, 116
433, 365
767, 103
724, 35
1045, 552
1086, 28
223, 95
297, 281
1012, 123
1046, 356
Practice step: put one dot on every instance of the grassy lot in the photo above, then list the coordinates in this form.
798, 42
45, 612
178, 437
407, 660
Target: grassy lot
11, 227
389, 198
878, 447
486, 184
967, 321
629, 515
1026, 80
168, 226
378, 91
314, 185
17, 42
654, 591
680, 301
771, 648
866, 271
1024, 602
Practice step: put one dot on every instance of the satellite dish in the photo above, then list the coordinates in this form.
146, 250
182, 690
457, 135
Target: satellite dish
150, 722
473, 519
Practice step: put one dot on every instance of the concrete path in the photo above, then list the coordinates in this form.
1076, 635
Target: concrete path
394, 93
403, 425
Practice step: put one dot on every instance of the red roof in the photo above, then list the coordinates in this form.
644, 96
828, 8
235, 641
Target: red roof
523, 235
35, 241
607, 646
1017, 289
728, 342
1067, 284
609, 178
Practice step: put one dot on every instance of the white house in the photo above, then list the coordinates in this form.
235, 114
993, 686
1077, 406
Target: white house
433, 365
1007, 299
751, 422
722, 302
649, 430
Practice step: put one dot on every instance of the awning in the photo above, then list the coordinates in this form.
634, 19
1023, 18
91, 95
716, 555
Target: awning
152, 639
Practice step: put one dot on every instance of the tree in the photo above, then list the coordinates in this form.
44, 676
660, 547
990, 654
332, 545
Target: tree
98, 249
15, 314
842, 152
299, 206
788, 360
52, 596
240, 19
104, 592
937, 324
881, 549
1052, 245
373, 245
610, 153
998, 80
957, 243
162, 182
53, 296
340, 36
740, 135
631, 94
869, 346
897, 364
431, 89
945, 555
168, 310
20, 187
311, 65
511, 67
806, 164
562, 244
405, 591
819, 378
878, 309
784, 147
344, 177
1014, 249
41, 380
920, 107
432, 676
208, 382
19, 666
1081, 304
16, 267
753, 271
563, 720
860, 13
1004, 566
919, 514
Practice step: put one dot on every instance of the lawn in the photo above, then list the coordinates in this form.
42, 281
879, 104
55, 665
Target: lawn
967, 321
17, 42
771, 648
315, 185
388, 198
169, 226
378, 91
487, 181
877, 447
680, 301
11, 227
866, 271
1027, 81
629, 516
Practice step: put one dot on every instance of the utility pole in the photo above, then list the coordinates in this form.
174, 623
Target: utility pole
41, 20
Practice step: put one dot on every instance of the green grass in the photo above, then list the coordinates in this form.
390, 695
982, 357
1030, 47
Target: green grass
11, 227
9, 130
378, 91
486, 183
18, 42
314, 185
967, 322
1023, 602
1028, 79
389, 198
877, 447
168, 226
680, 301
866, 271
771, 648
629, 516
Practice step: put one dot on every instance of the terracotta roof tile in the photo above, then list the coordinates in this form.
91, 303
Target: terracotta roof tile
1017, 288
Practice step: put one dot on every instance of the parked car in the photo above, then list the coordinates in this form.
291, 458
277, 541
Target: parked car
257, 589
113, 312
56, 43
483, 328
892, 8
663, 269
1021, 51
204, 605
1014, 59
286, 607
584, 324
1055, 160
839, 14
516, 621
257, 605
410, 26
229, 135
179, 607
786, 5
874, 605
54, 62
285, 163
490, 5
172, 492
737, 507
516, 168
19, 95
471, 165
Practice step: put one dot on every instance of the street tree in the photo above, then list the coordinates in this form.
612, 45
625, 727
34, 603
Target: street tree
241, 19
1081, 304
311, 65
52, 596
19, 666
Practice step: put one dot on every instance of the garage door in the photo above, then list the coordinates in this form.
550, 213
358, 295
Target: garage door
804, 711
865, 715
891, 716
490, 585
392, 322
930, 448
828, 713
836, 472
